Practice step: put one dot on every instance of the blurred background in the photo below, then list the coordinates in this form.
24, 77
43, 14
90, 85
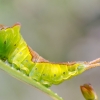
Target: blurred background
60, 31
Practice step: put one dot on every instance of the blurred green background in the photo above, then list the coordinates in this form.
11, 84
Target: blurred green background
59, 30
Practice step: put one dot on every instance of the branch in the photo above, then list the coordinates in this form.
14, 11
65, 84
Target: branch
93, 64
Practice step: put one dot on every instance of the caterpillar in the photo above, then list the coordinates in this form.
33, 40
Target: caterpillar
20, 56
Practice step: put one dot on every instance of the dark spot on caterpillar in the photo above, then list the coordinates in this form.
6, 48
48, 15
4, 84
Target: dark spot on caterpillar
54, 75
4, 42
27, 74
4, 58
35, 68
14, 44
26, 60
43, 74
64, 73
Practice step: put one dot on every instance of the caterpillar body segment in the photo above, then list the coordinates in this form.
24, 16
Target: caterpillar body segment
14, 49
52, 73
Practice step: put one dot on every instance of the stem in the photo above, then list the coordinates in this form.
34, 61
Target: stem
17, 74
95, 61
89, 66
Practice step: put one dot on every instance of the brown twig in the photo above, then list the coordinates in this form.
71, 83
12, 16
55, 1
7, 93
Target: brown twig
95, 61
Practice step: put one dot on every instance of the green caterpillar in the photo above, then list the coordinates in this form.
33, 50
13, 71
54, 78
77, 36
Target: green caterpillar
16, 52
